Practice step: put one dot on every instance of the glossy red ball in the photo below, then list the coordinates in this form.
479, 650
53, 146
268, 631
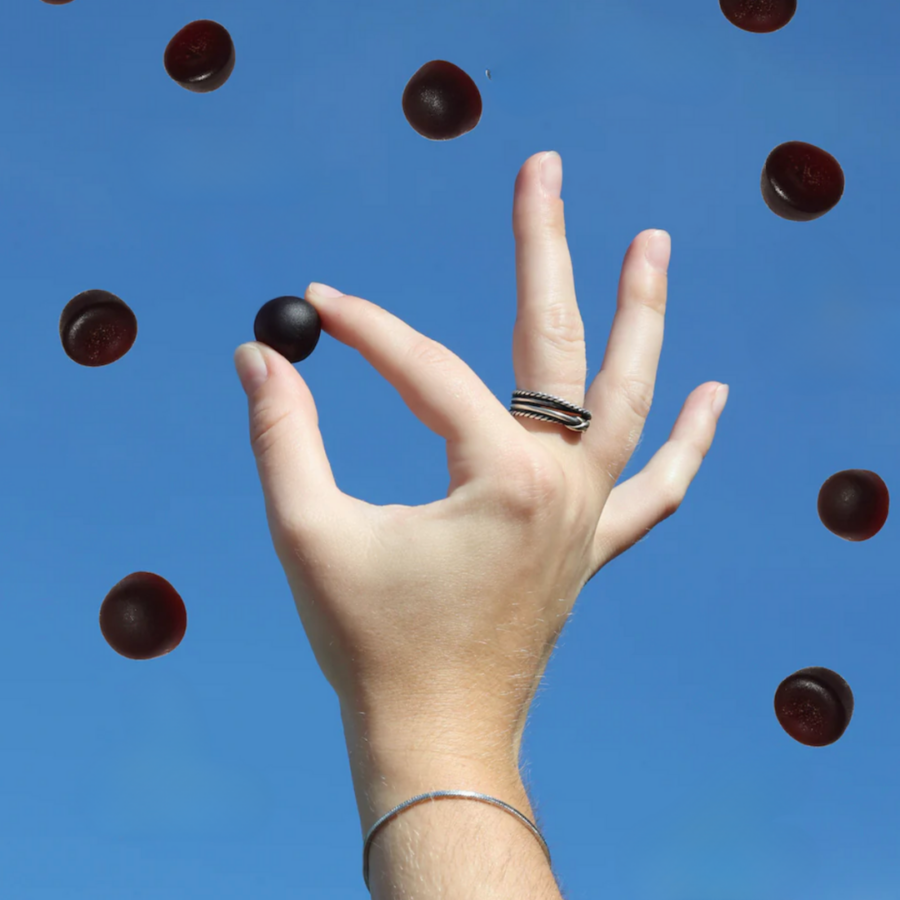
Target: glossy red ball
143, 617
441, 101
814, 706
854, 504
759, 16
201, 56
97, 328
801, 182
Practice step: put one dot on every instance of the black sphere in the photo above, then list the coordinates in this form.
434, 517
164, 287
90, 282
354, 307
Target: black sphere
289, 325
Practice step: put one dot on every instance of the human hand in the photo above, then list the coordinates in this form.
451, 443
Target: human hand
444, 615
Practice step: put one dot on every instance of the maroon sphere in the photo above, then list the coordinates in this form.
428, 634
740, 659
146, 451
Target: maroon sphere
814, 706
57, 2
97, 328
143, 617
441, 101
854, 504
759, 16
201, 56
801, 182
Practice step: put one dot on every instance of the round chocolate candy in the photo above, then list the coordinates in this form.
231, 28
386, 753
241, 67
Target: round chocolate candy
814, 706
97, 328
759, 16
289, 325
441, 101
854, 504
201, 56
143, 617
801, 182
57, 2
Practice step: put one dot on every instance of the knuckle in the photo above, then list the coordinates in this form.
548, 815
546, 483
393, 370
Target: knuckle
671, 496
639, 396
564, 326
265, 426
425, 351
532, 484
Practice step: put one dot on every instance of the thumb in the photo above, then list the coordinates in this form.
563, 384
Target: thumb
296, 476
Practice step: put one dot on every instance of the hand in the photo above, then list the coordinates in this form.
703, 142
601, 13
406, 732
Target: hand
444, 615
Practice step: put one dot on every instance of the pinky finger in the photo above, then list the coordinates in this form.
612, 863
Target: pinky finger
637, 505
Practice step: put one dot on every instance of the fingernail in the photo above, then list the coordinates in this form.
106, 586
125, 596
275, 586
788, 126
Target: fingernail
659, 249
720, 397
324, 291
551, 174
251, 367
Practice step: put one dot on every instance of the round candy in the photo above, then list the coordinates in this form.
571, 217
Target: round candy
289, 325
57, 2
97, 328
854, 504
143, 617
801, 182
759, 16
441, 101
814, 706
201, 56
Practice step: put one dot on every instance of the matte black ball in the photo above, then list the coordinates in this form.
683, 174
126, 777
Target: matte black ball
289, 325
814, 706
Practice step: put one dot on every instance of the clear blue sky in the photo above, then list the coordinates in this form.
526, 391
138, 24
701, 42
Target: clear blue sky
657, 766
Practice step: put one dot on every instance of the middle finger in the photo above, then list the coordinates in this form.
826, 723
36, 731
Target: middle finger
548, 338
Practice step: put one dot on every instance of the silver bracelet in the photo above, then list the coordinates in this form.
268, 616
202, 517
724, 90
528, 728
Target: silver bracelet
468, 795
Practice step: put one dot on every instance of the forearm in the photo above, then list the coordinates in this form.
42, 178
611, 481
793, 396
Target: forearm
448, 848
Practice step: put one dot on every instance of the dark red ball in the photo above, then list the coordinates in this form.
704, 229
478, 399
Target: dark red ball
289, 325
759, 16
201, 56
57, 2
97, 328
801, 182
814, 706
143, 617
441, 101
854, 504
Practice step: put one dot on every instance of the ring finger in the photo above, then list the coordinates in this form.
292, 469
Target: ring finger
548, 337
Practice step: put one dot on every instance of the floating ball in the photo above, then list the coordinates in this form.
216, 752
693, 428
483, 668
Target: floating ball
759, 16
97, 328
143, 617
853, 504
201, 56
57, 2
814, 706
289, 325
800, 182
441, 101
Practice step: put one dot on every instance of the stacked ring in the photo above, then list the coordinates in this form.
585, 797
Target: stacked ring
547, 408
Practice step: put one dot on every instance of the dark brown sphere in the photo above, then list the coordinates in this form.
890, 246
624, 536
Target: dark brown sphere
814, 706
441, 101
759, 16
201, 56
97, 328
854, 504
289, 325
801, 182
143, 617
57, 2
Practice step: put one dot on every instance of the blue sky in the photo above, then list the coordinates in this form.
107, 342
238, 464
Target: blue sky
656, 764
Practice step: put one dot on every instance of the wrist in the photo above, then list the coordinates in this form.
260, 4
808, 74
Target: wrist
392, 762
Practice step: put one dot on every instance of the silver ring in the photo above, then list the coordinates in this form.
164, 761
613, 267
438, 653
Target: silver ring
548, 408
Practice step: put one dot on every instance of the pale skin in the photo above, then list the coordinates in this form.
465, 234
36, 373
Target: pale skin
434, 623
